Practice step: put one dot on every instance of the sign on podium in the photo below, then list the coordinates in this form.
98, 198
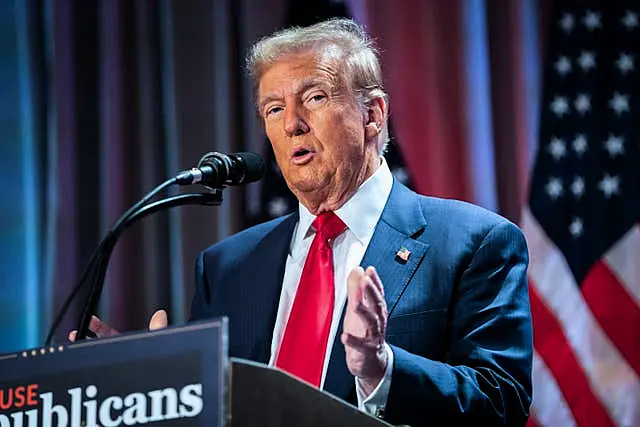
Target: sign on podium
179, 376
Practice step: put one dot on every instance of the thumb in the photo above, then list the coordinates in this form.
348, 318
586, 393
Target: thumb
158, 320
353, 285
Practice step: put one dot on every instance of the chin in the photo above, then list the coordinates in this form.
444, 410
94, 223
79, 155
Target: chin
306, 185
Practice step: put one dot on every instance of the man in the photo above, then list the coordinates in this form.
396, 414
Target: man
414, 308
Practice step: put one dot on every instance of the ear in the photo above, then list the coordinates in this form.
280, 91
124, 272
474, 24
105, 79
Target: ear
376, 116
371, 130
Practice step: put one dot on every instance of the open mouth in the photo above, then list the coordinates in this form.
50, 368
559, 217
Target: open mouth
300, 152
301, 156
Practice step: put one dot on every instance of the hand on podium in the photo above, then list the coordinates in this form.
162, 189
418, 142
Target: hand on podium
102, 330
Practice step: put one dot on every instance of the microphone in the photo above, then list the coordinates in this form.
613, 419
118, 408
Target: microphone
216, 170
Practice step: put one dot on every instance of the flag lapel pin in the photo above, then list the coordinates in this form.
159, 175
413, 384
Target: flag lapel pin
403, 254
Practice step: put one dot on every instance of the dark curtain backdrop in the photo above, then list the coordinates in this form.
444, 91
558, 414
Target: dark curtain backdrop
139, 90
106, 99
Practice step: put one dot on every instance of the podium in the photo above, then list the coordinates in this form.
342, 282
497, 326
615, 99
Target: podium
179, 376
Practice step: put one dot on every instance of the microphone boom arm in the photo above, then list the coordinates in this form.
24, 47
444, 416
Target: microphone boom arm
96, 269
208, 199
214, 171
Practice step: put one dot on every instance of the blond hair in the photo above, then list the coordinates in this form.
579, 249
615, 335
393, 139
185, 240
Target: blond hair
357, 55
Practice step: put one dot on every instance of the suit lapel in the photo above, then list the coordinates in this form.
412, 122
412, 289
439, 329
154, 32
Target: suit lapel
394, 271
259, 301
393, 241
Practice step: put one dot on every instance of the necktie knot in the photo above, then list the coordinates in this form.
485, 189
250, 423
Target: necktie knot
328, 225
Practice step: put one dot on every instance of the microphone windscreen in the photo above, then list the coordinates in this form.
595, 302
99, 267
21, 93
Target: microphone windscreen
255, 168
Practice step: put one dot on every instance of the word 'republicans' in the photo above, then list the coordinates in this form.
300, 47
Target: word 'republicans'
24, 406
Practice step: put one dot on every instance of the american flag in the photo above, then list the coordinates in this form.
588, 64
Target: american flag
276, 199
582, 222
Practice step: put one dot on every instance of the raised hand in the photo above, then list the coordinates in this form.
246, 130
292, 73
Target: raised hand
365, 325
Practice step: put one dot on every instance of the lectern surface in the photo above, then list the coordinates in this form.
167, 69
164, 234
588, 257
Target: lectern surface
263, 396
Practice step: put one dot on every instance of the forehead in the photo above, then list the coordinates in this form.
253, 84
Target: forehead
292, 72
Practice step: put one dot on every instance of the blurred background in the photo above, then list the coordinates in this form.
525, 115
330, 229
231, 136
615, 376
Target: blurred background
524, 107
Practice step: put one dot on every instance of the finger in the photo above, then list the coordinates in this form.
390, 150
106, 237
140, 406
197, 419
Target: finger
73, 335
375, 300
373, 274
354, 292
360, 344
158, 320
101, 329
366, 308
369, 316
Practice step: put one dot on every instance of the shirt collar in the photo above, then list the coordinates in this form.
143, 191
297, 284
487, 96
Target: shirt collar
360, 213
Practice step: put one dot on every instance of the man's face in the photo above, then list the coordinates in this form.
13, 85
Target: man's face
317, 129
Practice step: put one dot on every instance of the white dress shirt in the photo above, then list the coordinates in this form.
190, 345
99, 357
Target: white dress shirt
360, 214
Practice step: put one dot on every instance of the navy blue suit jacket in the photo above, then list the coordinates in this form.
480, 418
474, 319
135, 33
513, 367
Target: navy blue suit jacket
459, 319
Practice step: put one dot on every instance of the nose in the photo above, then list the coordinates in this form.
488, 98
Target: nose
294, 124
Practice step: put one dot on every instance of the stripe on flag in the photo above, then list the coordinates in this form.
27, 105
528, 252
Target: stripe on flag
617, 314
624, 261
549, 406
599, 358
565, 366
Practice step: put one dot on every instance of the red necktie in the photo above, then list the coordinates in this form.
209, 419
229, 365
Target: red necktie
304, 344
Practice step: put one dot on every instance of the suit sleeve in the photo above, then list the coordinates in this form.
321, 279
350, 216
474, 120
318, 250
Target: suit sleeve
202, 297
486, 376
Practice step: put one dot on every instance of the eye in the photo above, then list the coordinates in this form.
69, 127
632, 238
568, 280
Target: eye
272, 110
316, 98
